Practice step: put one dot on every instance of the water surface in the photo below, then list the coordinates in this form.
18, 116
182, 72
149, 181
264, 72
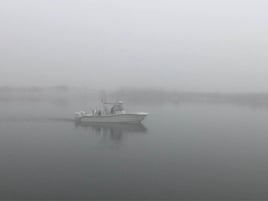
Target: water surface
187, 151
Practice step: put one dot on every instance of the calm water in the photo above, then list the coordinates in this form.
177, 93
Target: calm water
188, 151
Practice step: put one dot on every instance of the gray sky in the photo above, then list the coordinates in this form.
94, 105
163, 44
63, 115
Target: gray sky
204, 45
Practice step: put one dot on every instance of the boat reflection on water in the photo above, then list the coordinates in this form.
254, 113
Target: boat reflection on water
112, 132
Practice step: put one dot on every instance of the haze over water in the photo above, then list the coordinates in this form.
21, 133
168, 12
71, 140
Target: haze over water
181, 151
179, 45
199, 68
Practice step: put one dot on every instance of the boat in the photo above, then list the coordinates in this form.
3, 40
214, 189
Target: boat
111, 113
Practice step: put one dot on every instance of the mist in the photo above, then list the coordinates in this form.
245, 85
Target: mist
176, 45
133, 99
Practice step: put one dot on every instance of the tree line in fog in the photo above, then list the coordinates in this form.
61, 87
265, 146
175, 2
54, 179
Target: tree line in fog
64, 93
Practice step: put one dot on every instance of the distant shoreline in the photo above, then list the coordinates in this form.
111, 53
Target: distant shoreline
158, 96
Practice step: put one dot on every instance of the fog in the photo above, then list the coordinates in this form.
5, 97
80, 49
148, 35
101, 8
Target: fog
188, 45
133, 99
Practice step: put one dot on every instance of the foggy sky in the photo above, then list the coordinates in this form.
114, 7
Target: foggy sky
208, 45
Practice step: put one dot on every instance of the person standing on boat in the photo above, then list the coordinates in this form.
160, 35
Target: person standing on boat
118, 107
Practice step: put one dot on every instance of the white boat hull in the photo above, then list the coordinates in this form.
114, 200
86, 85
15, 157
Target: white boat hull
113, 118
